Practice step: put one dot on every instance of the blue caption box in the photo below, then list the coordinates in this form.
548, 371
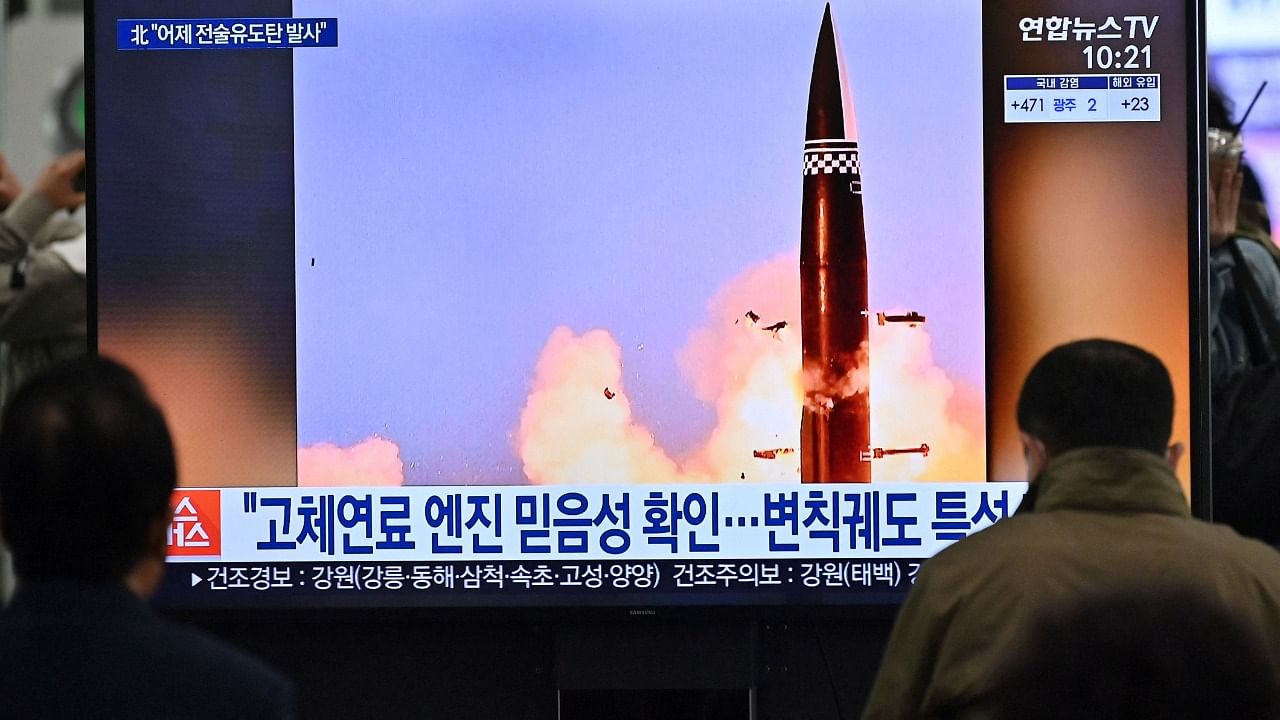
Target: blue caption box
226, 33
1139, 82
1055, 82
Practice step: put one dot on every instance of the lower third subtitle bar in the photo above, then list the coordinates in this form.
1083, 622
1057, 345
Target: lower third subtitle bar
522, 583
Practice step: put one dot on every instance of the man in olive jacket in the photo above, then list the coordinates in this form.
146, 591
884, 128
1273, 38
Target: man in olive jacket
1105, 518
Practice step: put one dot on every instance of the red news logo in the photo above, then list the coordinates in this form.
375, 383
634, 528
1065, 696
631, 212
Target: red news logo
197, 523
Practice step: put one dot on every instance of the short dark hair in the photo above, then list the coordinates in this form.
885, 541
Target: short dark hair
86, 469
1098, 392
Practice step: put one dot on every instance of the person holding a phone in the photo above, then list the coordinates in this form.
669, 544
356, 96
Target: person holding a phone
26, 218
43, 294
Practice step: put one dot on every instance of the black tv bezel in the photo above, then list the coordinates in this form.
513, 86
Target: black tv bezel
1199, 402
1198, 262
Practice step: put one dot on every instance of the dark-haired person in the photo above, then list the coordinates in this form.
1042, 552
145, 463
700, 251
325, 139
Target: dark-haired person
86, 474
1105, 516
1244, 307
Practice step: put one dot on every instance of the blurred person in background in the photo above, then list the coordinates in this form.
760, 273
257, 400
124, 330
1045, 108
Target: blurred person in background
1237, 210
43, 297
43, 291
1244, 337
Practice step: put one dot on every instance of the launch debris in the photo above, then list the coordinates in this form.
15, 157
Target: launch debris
912, 319
881, 453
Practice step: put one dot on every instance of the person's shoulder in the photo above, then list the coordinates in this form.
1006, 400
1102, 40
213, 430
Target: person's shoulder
110, 657
203, 664
982, 550
1261, 259
999, 533
199, 648
1231, 545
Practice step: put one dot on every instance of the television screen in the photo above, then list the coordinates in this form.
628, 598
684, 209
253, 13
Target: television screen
662, 303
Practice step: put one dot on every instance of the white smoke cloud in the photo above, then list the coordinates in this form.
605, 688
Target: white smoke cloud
374, 461
570, 432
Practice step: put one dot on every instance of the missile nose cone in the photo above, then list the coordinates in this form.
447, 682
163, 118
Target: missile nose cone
830, 104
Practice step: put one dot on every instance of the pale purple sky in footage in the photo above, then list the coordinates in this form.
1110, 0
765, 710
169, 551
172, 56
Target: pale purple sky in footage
471, 174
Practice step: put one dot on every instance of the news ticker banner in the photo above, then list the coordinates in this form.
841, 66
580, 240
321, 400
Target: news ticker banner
578, 523
533, 582
226, 33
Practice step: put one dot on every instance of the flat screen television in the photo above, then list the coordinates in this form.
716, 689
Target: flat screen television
571, 304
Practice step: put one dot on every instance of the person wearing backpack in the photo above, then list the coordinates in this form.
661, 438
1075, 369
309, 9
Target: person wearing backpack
1244, 340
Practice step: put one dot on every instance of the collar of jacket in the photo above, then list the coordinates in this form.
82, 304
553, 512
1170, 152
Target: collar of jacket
1110, 480
79, 598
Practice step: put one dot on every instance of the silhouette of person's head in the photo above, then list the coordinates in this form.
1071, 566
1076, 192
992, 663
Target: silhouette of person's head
1094, 393
86, 473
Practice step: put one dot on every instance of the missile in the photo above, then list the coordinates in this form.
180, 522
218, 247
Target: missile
835, 426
